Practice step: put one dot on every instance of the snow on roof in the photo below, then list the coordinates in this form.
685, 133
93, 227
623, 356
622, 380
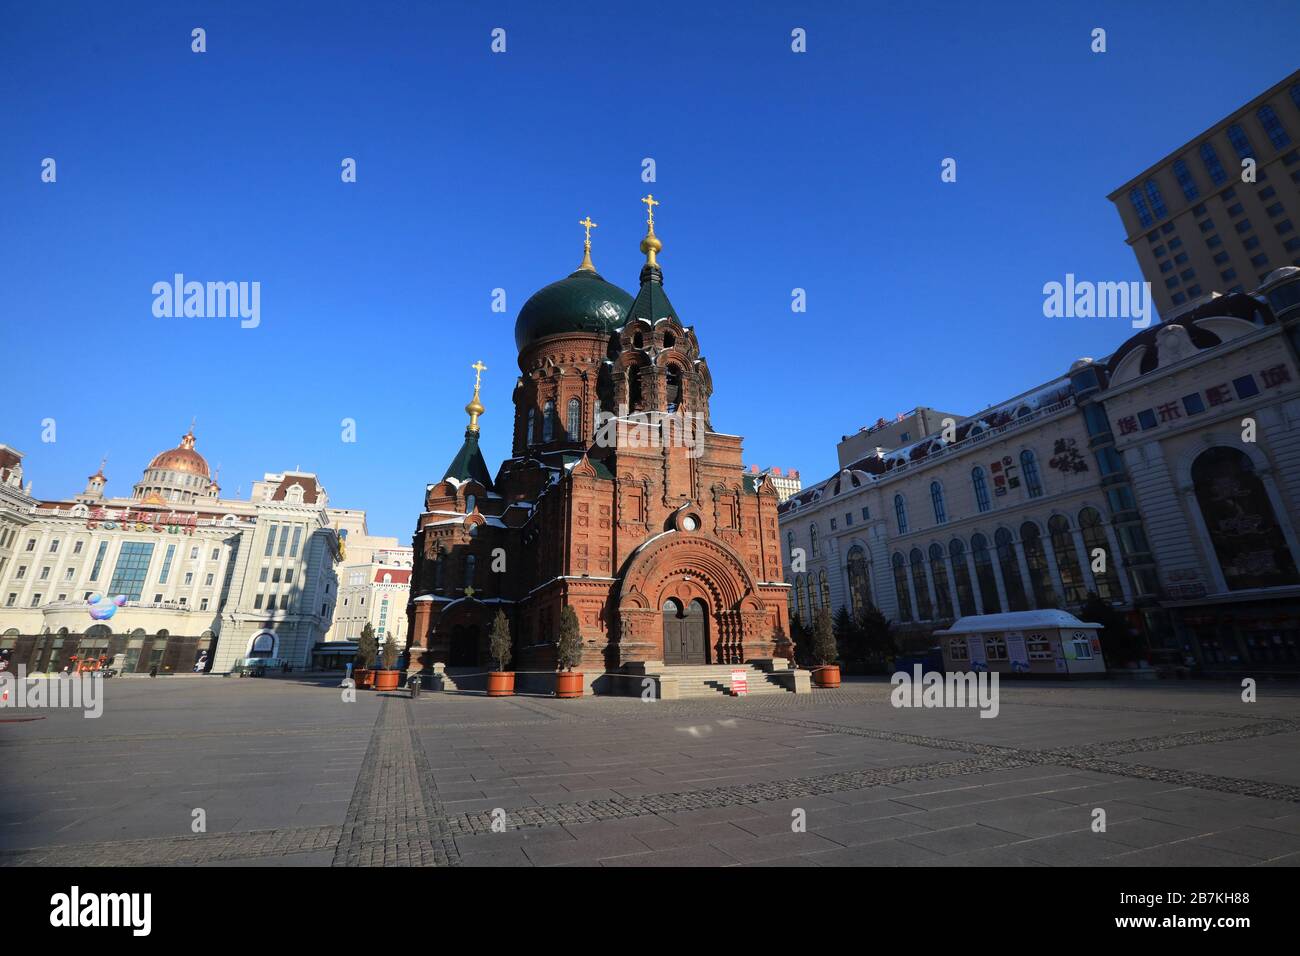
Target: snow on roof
1015, 621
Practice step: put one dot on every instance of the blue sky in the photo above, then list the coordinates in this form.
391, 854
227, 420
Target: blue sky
775, 170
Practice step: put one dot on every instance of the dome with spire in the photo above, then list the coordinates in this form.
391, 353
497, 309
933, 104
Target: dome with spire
178, 474
581, 302
182, 458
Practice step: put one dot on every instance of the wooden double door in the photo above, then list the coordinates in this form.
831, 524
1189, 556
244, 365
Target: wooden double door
686, 632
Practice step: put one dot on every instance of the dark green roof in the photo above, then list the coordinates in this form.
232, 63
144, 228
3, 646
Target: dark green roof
581, 302
468, 465
651, 301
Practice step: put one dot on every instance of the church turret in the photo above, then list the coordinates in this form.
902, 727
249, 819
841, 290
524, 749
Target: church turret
468, 465
656, 361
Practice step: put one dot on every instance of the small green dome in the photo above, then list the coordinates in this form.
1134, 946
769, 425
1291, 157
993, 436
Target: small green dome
581, 302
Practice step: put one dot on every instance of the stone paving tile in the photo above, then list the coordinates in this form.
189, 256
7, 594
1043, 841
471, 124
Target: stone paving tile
692, 834
749, 849
590, 850
1188, 853
677, 856
1252, 841
887, 828
883, 853
960, 839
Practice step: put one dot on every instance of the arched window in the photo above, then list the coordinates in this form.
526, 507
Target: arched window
924, 609
1067, 559
900, 588
469, 571
859, 581
900, 513
799, 595
1243, 527
936, 499
674, 387
595, 418
813, 547
981, 488
1094, 539
808, 595
825, 589
939, 572
1029, 470
575, 420
1040, 578
965, 592
634, 389
789, 544
532, 425
1010, 568
548, 421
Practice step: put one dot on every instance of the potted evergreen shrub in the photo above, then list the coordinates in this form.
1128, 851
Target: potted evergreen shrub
568, 655
500, 682
826, 670
367, 651
387, 679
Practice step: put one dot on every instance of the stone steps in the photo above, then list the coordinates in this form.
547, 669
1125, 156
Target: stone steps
709, 680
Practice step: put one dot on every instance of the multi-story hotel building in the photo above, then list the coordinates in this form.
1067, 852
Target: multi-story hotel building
375, 593
202, 576
786, 482
1197, 221
1164, 478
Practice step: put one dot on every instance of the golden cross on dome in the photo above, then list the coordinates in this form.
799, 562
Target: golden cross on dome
479, 368
650, 203
589, 226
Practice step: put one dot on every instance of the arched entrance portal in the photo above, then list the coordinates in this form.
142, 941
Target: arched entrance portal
686, 632
464, 646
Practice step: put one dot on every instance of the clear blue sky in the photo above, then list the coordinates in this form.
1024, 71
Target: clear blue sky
776, 171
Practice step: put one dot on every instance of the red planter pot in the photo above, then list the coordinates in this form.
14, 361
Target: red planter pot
501, 683
827, 675
362, 677
568, 684
386, 680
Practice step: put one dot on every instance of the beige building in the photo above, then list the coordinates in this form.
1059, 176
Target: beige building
1196, 225
786, 481
1165, 478
198, 573
376, 593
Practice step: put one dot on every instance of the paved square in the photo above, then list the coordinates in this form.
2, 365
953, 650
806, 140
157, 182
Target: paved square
287, 773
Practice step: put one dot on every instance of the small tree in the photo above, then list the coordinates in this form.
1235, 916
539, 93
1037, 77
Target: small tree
367, 647
824, 649
390, 653
877, 633
848, 635
568, 654
499, 644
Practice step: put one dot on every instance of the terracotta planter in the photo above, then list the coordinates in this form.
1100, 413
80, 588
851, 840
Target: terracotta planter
386, 680
568, 684
501, 683
826, 675
362, 677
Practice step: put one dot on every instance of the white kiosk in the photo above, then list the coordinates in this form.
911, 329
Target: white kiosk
1049, 642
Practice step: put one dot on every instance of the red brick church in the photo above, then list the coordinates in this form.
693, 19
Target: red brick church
620, 500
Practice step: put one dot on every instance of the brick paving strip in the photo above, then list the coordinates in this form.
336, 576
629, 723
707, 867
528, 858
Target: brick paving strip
395, 817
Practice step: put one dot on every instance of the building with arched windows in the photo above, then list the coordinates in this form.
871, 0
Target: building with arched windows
1163, 478
201, 577
629, 507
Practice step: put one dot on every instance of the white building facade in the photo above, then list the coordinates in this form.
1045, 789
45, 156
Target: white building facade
203, 579
1165, 479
